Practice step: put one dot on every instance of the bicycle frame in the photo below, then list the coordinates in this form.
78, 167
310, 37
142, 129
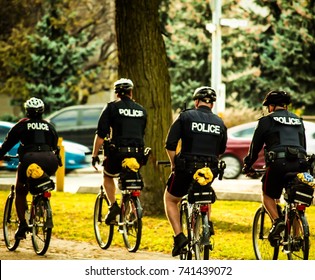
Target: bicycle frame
129, 220
294, 240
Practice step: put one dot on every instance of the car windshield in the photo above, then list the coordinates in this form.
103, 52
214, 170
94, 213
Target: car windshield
67, 119
244, 133
3, 132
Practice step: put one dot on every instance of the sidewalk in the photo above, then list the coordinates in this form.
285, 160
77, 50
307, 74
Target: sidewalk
89, 181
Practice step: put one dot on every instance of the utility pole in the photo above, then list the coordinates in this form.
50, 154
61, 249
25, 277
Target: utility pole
216, 66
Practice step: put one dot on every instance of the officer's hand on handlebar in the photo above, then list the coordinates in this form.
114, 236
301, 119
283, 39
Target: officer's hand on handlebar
94, 161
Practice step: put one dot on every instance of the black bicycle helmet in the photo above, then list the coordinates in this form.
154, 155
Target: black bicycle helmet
276, 97
34, 106
123, 86
206, 94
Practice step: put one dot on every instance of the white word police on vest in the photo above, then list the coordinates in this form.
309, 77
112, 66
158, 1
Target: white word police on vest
37, 126
289, 120
205, 127
131, 113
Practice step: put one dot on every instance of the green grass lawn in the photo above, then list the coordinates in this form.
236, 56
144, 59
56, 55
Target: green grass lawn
73, 220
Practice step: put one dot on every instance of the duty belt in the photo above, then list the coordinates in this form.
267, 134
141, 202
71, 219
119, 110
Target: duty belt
197, 165
283, 155
129, 149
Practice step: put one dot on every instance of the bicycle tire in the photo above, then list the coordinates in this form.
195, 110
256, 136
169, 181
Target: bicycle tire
10, 224
131, 222
260, 231
185, 253
41, 225
299, 244
103, 233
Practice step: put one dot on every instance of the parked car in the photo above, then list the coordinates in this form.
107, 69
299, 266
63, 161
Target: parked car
239, 139
76, 155
77, 123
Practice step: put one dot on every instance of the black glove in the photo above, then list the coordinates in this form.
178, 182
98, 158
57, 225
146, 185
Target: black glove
95, 160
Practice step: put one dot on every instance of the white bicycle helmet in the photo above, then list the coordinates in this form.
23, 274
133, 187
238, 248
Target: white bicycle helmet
35, 105
123, 85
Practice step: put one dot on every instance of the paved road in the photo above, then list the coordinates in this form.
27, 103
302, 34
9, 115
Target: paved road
88, 181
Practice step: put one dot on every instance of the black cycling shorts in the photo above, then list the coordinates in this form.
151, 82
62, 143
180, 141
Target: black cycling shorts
178, 183
112, 163
46, 160
273, 180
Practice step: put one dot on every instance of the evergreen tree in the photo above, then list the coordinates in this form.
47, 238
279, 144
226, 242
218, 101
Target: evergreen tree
275, 51
287, 51
57, 61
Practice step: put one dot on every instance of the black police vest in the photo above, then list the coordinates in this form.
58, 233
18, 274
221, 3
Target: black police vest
37, 132
128, 123
202, 133
286, 130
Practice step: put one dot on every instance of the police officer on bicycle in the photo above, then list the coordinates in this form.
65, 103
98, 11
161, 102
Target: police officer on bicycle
38, 144
120, 130
282, 134
203, 138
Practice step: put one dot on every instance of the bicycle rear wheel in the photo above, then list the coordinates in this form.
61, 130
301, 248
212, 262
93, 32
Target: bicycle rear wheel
261, 226
299, 244
103, 233
42, 225
131, 222
185, 253
201, 239
10, 224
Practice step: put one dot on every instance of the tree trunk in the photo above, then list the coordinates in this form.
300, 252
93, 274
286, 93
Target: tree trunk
142, 58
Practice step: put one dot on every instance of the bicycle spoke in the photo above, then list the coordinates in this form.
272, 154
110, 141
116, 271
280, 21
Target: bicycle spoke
103, 233
131, 223
10, 223
261, 227
298, 245
41, 234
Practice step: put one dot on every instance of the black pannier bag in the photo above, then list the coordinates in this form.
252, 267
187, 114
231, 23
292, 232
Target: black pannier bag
201, 194
40, 185
130, 180
299, 192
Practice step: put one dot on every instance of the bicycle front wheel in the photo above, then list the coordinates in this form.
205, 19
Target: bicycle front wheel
10, 224
131, 222
42, 225
298, 240
185, 253
201, 238
103, 233
261, 226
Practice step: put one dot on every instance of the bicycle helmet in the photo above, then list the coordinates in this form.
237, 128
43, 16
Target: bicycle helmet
123, 86
34, 106
275, 97
206, 94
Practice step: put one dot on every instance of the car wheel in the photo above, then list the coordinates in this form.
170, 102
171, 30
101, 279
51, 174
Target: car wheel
233, 167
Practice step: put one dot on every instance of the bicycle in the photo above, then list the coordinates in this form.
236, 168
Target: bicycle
294, 240
194, 219
129, 221
38, 214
